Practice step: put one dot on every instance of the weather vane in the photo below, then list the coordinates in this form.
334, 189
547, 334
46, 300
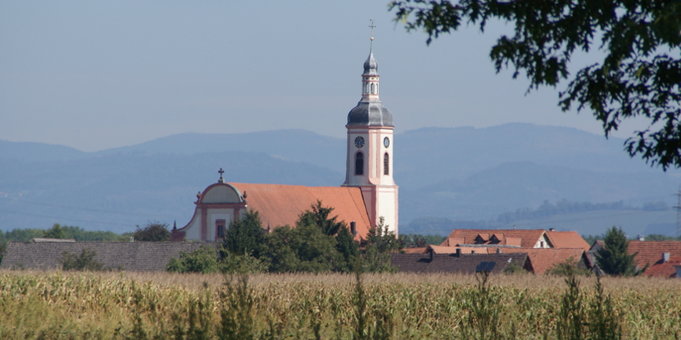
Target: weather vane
371, 36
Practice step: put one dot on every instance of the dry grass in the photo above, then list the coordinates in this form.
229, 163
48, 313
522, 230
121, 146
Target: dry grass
164, 305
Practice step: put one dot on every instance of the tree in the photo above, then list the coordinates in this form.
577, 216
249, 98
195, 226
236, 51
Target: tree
153, 232
614, 259
319, 216
84, 261
245, 236
202, 260
380, 243
55, 232
639, 76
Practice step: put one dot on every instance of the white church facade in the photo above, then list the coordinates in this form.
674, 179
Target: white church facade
367, 196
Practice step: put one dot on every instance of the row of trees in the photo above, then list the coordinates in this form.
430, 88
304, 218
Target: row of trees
318, 243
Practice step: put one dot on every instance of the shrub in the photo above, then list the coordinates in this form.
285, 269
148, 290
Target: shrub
84, 261
202, 260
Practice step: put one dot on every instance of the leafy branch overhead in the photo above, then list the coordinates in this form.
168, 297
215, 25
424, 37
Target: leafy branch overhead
639, 75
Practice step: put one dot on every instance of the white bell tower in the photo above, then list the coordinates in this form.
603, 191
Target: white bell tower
370, 150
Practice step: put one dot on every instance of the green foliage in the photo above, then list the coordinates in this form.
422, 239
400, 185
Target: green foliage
153, 232
604, 321
84, 261
245, 236
303, 249
482, 311
571, 317
514, 268
658, 237
418, 240
237, 313
242, 264
568, 267
202, 260
320, 216
638, 76
348, 248
55, 232
380, 243
318, 244
614, 259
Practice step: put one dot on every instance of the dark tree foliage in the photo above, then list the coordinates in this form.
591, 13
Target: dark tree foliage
614, 258
302, 249
203, 260
418, 240
245, 236
320, 216
153, 232
639, 75
55, 232
348, 248
83, 261
380, 243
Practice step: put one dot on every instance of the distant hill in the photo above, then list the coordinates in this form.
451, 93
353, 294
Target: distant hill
445, 174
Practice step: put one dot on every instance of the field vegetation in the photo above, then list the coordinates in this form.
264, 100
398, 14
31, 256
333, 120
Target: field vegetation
74, 305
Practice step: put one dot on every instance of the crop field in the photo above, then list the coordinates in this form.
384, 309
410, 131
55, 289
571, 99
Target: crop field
72, 305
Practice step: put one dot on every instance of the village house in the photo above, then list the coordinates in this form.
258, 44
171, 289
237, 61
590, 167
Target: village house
658, 258
544, 248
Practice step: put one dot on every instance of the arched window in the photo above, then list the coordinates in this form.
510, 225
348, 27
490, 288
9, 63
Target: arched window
386, 164
373, 88
359, 163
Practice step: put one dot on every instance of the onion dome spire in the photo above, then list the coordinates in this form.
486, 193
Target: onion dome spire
370, 111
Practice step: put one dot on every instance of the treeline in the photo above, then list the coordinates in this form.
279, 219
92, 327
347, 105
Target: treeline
564, 206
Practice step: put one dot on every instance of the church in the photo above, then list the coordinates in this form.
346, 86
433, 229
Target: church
368, 195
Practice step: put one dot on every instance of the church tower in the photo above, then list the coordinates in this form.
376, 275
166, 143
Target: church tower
370, 150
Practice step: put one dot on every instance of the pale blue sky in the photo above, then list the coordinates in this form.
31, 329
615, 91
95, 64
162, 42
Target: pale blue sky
101, 74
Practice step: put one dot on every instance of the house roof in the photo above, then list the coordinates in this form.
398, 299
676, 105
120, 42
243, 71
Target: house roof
464, 264
528, 237
543, 259
567, 239
414, 250
281, 205
650, 252
666, 269
131, 256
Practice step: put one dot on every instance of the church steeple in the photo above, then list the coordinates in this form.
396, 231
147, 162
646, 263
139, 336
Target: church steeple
369, 164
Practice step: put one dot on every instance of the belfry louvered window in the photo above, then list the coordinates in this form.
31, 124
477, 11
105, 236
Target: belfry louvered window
386, 164
359, 163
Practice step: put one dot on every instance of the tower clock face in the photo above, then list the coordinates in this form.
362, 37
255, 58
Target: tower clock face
359, 142
386, 142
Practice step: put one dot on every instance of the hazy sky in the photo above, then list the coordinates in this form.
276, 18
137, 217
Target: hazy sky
101, 74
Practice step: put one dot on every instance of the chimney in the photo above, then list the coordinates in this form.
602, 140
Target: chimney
458, 252
665, 257
430, 253
353, 228
498, 250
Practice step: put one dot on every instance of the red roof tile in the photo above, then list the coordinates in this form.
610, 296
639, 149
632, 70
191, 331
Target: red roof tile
281, 205
567, 239
543, 259
528, 237
650, 252
667, 269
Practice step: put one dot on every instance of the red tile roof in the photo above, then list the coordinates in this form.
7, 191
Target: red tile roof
567, 239
543, 259
281, 205
650, 252
528, 237
666, 269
